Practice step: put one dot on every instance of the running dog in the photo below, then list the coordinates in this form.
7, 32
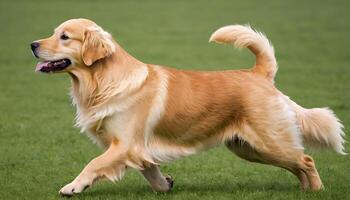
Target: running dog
144, 114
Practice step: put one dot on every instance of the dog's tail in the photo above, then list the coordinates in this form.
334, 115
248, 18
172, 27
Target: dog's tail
320, 127
244, 36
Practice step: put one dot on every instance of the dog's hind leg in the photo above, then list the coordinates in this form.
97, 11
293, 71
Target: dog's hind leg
281, 155
108, 165
158, 182
245, 151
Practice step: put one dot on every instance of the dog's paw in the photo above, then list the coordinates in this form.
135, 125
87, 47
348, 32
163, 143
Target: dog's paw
170, 181
73, 188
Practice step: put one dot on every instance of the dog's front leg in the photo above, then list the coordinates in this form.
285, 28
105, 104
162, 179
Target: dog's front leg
108, 165
158, 182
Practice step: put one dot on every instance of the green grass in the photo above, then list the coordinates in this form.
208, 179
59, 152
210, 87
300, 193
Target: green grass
40, 151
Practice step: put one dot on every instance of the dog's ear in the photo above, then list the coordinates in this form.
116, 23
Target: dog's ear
97, 44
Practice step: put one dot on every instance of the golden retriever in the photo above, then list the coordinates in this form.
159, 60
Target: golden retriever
144, 115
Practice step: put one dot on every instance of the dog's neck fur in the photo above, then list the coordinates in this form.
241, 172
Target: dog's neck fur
111, 77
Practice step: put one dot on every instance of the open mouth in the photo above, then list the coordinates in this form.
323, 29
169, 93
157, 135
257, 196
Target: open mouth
53, 66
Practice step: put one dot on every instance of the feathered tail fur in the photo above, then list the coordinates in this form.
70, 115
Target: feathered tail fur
244, 36
320, 128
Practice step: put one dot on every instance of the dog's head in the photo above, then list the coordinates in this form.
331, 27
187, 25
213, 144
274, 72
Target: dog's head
75, 43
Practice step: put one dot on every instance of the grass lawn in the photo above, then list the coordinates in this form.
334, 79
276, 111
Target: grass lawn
40, 150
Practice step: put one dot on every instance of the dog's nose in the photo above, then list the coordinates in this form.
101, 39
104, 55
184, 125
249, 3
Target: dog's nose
34, 45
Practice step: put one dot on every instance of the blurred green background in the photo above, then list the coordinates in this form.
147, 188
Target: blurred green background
41, 151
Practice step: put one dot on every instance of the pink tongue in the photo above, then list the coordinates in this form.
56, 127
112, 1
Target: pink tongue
41, 65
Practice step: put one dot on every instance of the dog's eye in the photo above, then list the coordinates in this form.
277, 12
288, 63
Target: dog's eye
64, 37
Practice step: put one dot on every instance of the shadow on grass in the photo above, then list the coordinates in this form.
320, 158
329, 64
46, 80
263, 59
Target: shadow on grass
200, 189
